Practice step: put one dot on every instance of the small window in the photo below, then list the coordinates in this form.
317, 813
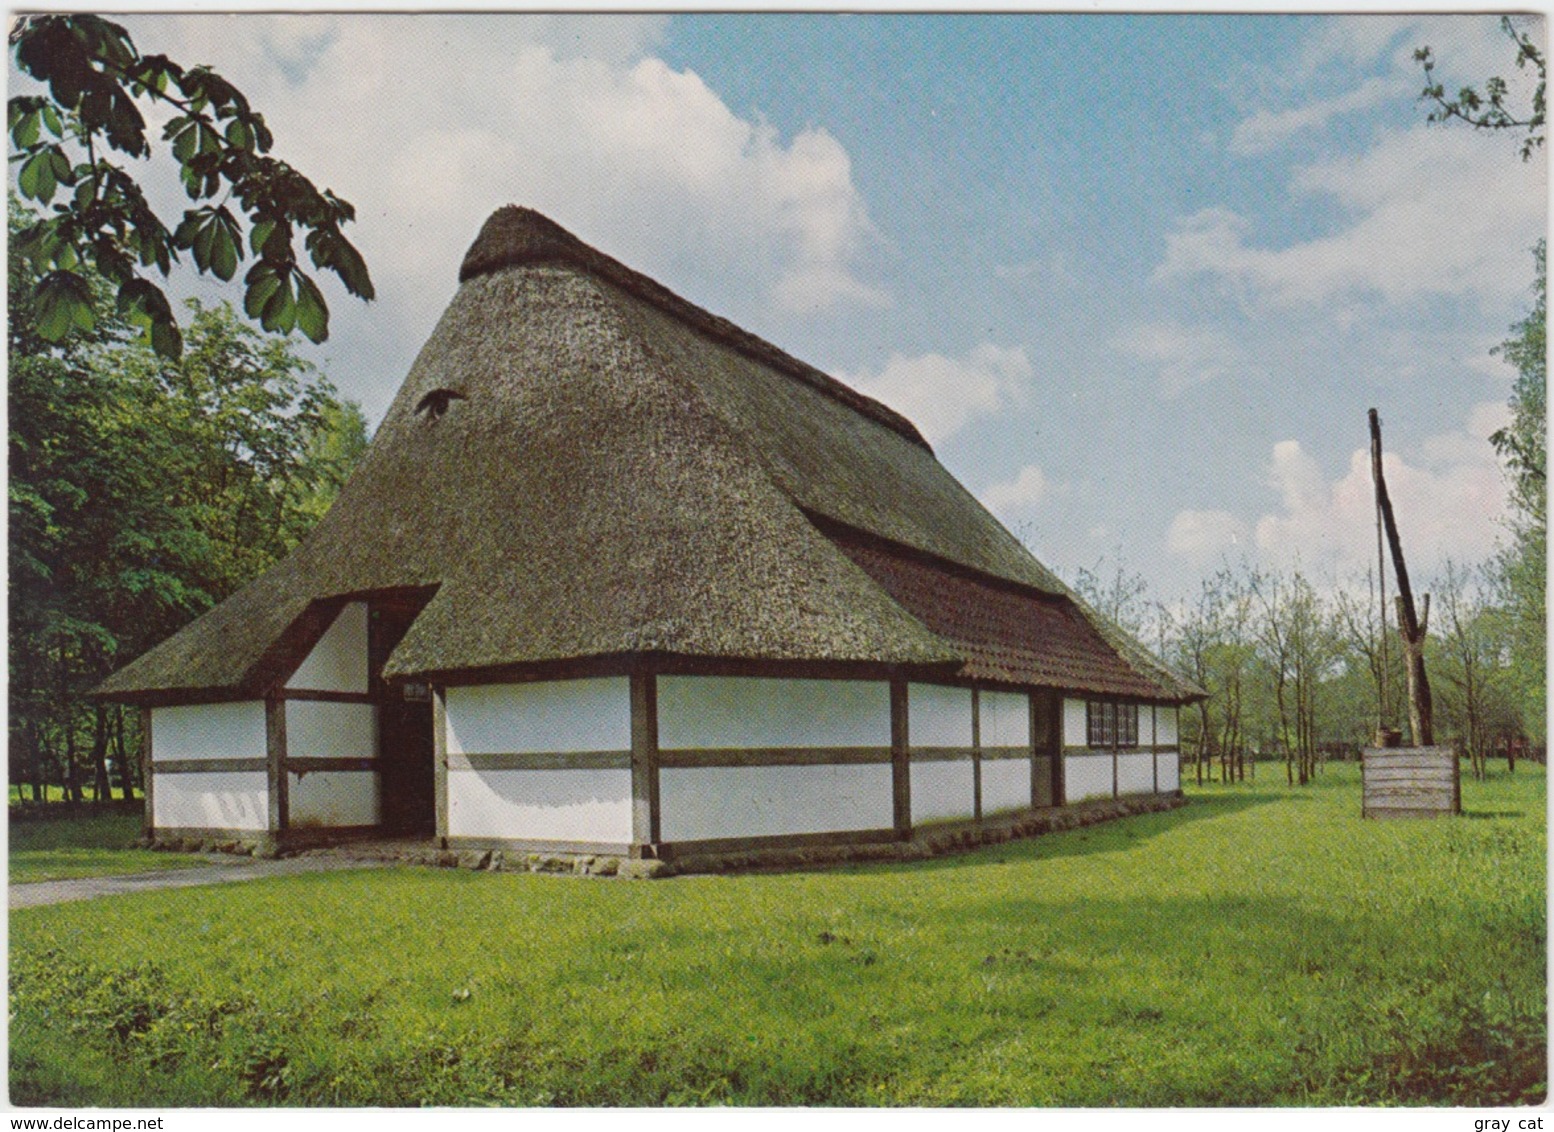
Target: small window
1112, 724
436, 403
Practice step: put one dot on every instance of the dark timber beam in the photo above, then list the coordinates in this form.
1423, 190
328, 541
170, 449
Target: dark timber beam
146, 776
644, 762
900, 757
440, 763
275, 754
976, 755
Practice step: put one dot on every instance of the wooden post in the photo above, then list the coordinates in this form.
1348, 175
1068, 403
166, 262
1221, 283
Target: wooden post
976, 755
1116, 736
1411, 627
1033, 728
440, 764
1059, 778
145, 769
1154, 746
900, 758
644, 763
275, 754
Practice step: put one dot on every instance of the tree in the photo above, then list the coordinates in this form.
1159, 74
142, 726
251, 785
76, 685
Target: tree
1470, 646
1522, 565
142, 491
65, 138
1489, 110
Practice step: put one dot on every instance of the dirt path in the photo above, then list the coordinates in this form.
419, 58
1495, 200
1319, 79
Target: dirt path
85, 888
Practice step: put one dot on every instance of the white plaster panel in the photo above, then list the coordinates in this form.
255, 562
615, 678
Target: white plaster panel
542, 805
760, 801
1076, 724
1165, 726
1087, 776
942, 790
552, 715
338, 663
1136, 774
226, 800
744, 711
333, 797
1006, 785
209, 731
938, 716
1170, 772
318, 729
1006, 719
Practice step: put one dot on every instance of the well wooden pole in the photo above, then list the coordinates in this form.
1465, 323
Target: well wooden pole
1411, 626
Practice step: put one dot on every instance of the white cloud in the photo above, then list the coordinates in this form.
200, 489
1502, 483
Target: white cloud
1447, 492
1268, 129
1029, 488
1187, 356
942, 395
1425, 212
1204, 537
429, 123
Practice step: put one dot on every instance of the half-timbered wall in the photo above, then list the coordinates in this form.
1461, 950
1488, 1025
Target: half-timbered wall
1005, 719
1095, 773
548, 761
754, 756
339, 738
939, 732
230, 735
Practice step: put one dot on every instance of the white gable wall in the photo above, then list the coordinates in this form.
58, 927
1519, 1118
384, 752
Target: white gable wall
338, 663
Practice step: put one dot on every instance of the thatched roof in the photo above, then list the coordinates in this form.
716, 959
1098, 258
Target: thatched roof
623, 474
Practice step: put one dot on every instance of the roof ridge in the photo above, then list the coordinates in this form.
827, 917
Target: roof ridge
514, 236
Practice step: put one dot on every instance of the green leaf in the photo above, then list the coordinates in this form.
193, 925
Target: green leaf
166, 339
36, 179
223, 252
260, 234
62, 302
312, 313
24, 132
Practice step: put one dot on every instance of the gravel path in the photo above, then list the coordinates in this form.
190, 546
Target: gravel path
85, 888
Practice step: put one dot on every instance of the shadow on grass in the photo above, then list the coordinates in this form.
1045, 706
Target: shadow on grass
1103, 837
1479, 815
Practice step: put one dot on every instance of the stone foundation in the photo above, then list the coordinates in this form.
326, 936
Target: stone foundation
926, 842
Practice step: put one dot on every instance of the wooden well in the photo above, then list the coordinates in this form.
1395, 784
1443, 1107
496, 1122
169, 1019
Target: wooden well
1411, 782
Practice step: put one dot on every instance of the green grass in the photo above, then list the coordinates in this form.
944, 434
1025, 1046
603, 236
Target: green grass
64, 848
1262, 946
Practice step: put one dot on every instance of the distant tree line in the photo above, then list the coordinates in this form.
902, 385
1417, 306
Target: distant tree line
1297, 671
143, 489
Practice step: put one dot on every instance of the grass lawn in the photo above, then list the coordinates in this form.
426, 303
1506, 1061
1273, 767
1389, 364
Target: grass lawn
64, 848
1262, 946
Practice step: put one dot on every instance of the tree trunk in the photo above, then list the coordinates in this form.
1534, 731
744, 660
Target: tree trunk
100, 754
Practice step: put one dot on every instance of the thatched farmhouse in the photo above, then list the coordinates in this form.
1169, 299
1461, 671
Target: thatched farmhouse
617, 577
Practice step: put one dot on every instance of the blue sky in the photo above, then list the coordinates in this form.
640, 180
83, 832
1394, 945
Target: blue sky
1138, 278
